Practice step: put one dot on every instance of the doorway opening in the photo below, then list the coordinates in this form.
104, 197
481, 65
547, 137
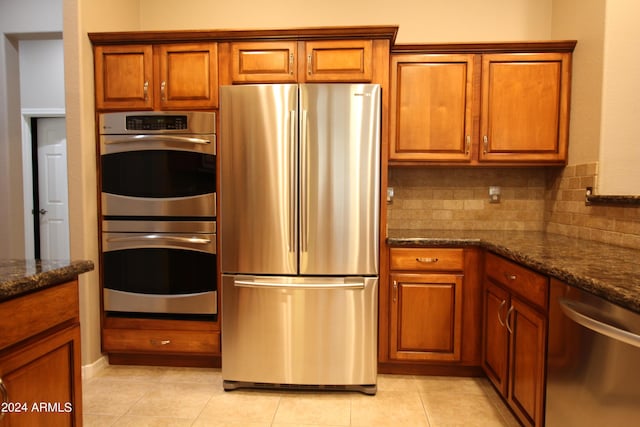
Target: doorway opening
45, 166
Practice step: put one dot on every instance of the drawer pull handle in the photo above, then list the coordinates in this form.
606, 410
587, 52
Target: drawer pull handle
507, 321
160, 342
427, 260
499, 310
510, 276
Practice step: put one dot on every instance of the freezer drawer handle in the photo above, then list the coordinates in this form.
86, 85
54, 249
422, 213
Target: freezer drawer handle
314, 285
572, 310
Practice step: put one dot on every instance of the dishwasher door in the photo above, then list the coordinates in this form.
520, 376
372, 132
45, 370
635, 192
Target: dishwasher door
300, 332
593, 361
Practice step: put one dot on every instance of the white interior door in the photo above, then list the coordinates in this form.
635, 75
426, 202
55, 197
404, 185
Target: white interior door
52, 188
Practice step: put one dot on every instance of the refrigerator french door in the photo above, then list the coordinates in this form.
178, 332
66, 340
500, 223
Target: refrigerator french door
299, 230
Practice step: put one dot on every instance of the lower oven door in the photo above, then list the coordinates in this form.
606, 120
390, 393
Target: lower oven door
160, 272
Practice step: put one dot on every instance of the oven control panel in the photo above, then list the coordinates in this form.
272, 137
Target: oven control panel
155, 122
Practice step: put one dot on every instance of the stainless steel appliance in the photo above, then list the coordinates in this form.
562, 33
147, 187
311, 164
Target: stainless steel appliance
158, 177
593, 361
299, 202
158, 164
166, 267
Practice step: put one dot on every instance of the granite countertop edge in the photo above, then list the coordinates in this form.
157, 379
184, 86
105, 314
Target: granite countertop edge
608, 271
19, 276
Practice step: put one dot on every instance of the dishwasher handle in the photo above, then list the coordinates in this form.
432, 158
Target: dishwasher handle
572, 310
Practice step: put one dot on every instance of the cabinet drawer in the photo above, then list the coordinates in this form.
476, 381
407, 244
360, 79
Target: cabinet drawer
427, 259
29, 315
160, 341
526, 283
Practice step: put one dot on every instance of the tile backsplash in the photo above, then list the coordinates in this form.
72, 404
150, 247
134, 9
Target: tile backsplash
458, 198
532, 199
567, 214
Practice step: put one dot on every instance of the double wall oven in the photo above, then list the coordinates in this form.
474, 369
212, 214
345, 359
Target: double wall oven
158, 206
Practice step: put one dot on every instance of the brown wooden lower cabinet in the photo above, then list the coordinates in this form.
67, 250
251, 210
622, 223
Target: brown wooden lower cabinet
161, 342
430, 307
426, 317
40, 368
514, 332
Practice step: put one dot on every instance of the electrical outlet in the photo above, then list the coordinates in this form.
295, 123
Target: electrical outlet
390, 194
494, 194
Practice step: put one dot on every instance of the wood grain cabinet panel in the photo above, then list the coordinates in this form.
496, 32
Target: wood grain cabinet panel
264, 62
188, 76
339, 60
181, 76
40, 358
525, 107
431, 107
515, 343
476, 104
426, 317
123, 77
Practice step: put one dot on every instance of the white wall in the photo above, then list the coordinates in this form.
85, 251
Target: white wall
41, 74
620, 137
419, 20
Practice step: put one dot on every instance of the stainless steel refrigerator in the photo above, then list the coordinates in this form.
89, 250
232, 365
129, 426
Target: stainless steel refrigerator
299, 230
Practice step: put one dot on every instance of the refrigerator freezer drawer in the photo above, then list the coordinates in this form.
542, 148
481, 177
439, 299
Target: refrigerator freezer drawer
299, 331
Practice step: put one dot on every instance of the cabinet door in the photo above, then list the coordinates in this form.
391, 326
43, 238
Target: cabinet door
264, 62
43, 382
426, 317
188, 76
525, 107
338, 61
431, 107
124, 77
496, 339
527, 353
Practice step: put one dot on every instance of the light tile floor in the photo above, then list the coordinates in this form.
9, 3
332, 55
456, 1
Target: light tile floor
158, 396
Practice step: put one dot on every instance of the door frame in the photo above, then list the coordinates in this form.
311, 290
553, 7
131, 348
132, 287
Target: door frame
27, 170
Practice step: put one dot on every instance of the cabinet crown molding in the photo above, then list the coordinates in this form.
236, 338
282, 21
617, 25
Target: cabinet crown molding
311, 33
488, 47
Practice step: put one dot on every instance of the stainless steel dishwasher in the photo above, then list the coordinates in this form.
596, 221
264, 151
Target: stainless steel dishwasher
593, 361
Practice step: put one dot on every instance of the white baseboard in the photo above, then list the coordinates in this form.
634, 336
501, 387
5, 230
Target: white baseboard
89, 371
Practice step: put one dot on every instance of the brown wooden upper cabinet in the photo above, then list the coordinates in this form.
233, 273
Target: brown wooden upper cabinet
302, 61
458, 104
431, 107
161, 77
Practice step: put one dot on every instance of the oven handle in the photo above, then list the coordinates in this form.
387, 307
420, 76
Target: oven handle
195, 240
171, 138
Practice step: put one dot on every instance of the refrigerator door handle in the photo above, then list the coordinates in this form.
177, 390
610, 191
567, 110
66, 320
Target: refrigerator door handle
304, 232
327, 285
294, 182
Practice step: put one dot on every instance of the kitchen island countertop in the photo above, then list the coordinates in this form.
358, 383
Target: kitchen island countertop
609, 271
19, 276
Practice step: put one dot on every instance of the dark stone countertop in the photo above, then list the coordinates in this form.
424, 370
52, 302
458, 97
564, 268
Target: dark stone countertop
18, 277
609, 271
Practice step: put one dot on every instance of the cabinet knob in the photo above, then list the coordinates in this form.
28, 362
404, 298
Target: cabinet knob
509, 276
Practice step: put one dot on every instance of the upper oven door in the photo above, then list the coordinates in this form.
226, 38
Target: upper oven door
158, 164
